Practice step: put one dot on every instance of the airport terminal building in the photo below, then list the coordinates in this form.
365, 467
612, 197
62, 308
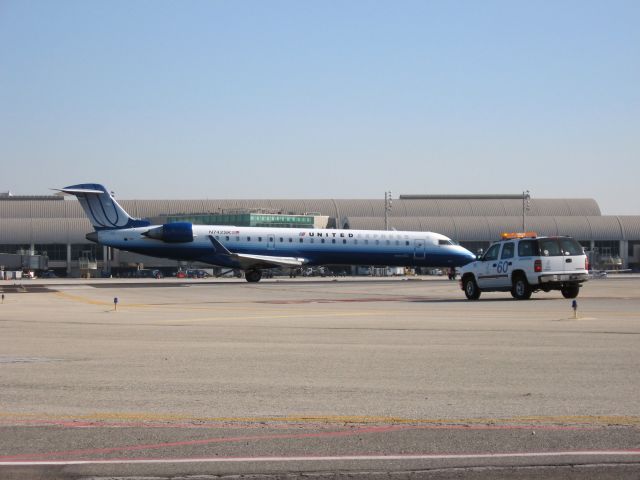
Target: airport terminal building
50, 230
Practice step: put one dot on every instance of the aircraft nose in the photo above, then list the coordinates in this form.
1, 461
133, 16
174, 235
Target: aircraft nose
466, 256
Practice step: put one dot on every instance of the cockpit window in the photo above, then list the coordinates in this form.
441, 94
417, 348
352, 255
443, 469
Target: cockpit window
445, 242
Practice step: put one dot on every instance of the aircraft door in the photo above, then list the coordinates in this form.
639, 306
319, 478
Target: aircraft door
418, 249
271, 241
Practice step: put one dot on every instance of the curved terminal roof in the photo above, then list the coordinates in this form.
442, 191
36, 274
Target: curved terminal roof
489, 228
463, 218
337, 208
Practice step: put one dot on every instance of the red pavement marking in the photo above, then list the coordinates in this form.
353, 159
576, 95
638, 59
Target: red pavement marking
330, 434
131, 448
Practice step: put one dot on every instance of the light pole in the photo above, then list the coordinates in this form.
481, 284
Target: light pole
387, 208
526, 205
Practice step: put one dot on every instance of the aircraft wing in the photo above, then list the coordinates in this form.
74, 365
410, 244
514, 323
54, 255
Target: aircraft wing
267, 261
248, 261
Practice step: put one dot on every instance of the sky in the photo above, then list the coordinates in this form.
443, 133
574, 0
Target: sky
322, 99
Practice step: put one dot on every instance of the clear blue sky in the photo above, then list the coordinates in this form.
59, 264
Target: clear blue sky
343, 99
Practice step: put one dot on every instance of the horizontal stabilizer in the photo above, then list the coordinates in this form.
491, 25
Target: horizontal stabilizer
75, 191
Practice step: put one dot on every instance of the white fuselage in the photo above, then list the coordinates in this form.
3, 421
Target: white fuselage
314, 246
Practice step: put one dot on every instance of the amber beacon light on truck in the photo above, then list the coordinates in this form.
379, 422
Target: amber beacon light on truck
513, 235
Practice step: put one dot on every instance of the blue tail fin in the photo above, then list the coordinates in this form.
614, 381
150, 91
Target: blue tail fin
101, 208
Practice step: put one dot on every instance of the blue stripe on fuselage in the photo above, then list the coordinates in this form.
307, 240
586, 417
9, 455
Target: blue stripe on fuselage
340, 256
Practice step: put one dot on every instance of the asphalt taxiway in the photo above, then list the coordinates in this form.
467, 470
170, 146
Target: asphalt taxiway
285, 377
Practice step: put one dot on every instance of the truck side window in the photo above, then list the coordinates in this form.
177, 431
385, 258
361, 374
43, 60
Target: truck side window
507, 251
526, 248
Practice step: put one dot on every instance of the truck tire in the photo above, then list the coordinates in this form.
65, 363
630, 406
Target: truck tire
570, 291
471, 289
521, 290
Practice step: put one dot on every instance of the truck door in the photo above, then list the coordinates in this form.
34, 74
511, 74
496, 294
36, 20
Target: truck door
504, 266
489, 268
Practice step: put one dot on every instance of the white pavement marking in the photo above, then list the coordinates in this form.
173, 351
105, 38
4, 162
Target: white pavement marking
463, 456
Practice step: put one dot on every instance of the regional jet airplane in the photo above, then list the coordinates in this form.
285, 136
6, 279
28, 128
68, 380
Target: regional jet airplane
254, 249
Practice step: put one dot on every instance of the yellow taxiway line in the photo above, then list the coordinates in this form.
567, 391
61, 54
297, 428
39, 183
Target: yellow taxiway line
582, 420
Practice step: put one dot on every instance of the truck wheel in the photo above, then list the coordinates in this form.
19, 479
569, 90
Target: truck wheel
570, 291
471, 289
521, 290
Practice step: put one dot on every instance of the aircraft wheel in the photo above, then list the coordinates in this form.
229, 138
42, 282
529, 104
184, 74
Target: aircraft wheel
253, 276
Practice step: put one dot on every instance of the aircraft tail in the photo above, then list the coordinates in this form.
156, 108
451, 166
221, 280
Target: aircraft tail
101, 208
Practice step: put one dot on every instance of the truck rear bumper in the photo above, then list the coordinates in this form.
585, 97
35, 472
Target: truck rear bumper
563, 278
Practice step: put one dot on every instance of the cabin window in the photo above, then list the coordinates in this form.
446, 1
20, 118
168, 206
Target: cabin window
388, 242
248, 239
301, 240
237, 239
406, 243
259, 239
312, 240
355, 242
227, 238
333, 240
281, 239
290, 240
366, 242
344, 241
322, 241
397, 242
377, 242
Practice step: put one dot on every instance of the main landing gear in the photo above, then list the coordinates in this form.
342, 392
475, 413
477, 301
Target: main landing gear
253, 276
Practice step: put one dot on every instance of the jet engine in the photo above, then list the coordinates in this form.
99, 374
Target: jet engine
179, 232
